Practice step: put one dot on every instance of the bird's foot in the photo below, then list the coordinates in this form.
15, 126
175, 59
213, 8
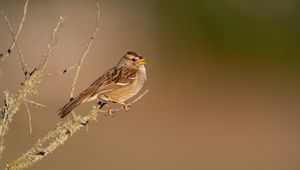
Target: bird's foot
109, 111
101, 104
126, 107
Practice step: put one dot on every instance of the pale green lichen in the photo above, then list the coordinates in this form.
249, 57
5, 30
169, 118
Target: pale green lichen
58, 137
28, 87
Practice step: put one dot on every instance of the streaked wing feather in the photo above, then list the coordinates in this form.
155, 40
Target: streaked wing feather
115, 78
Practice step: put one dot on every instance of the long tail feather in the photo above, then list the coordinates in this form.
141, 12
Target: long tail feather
64, 111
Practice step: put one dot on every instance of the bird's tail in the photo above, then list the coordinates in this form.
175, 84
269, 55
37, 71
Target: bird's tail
64, 111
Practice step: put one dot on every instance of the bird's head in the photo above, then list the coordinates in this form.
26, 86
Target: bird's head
132, 60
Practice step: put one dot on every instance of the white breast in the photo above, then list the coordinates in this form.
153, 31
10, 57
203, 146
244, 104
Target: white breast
138, 84
142, 73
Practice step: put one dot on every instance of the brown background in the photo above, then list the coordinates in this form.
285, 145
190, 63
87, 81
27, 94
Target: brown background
223, 79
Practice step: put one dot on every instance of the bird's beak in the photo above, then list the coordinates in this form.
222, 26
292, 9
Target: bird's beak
142, 61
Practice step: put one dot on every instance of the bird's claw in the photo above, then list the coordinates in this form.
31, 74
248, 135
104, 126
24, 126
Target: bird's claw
109, 113
126, 107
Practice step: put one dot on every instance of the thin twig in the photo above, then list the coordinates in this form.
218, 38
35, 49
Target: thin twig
15, 42
12, 102
54, 37
8, 52
35, 103
86, 51
57, 137
140, 96
60, 73
29, 116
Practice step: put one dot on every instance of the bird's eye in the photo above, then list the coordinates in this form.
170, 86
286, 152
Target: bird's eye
133, 59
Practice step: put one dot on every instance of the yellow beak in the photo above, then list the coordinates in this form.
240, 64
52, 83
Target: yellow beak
142, 61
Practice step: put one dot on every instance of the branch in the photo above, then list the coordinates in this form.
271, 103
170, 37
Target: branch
15, 42
29, 116
12, 102
58, 137
36, 104
45, 58
60, 73
4, 56
86, 51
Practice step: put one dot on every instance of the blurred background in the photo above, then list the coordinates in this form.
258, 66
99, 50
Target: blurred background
223, 79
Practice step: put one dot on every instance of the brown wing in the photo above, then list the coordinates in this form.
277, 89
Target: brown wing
114, 78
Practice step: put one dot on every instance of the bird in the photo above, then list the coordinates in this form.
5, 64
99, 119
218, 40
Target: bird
117, 85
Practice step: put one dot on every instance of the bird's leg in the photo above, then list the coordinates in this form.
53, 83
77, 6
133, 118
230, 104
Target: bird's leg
109, 111
126, 106
101, 104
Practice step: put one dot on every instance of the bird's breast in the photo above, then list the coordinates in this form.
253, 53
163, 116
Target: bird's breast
127, 92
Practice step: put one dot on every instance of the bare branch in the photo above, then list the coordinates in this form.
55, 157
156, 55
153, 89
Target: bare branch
15, 42
43, 63
60, 73
12, 102
57, 137
4, 56
29, 116
35, 103
86, 51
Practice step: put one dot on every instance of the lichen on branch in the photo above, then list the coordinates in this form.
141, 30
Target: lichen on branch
58, 137
12, 102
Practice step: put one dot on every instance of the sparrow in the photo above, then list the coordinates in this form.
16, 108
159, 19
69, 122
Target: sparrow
117, 85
